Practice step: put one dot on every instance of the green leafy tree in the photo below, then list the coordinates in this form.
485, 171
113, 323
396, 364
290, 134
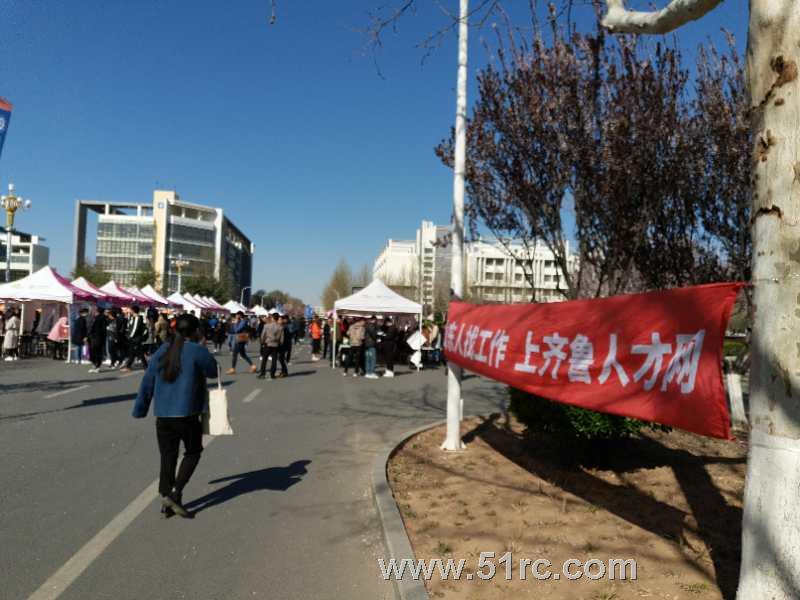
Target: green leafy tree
146, 276
206, 285
340, 285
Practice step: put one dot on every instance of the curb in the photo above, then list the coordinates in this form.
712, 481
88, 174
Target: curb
398, 545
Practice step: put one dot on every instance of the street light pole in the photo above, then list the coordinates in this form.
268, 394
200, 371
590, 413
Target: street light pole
453, 439
179, 264
11, 204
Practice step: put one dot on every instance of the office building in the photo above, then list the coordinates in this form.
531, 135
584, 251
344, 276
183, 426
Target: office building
28, 254
134, 237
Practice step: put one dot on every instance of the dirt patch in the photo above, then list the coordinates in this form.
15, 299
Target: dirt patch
670, 501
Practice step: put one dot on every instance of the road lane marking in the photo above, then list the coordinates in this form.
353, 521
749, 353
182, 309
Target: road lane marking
83, 558
252, 395
66, 391
124, 375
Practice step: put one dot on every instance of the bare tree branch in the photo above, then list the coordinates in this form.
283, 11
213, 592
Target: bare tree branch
671, 17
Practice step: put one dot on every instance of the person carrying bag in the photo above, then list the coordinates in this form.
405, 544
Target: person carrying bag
176, 380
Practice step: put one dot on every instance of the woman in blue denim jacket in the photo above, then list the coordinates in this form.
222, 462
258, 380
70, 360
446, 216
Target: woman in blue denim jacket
176, 379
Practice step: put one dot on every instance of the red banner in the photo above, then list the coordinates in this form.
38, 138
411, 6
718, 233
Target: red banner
654, 356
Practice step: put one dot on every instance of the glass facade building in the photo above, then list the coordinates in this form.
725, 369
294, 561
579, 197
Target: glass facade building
135, 237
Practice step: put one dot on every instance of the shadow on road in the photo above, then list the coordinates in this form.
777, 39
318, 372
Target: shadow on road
84, 404
273, 478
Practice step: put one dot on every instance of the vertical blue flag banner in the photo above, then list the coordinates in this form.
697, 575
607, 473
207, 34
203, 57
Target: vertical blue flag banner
309, 311
5, 117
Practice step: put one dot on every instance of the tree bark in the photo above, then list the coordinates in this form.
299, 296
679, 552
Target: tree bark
771, 528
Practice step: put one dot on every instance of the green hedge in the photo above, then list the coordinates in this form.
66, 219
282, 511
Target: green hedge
570, 423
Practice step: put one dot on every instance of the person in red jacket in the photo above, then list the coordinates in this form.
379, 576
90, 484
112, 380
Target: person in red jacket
316, 338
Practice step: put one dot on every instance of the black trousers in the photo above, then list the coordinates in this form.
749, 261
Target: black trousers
389, 348
287, 350
277, 354
97, 352
355, 359
136, 350
171, 431
326, 347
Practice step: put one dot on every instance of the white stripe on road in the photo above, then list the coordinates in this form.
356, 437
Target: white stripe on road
124, 375
83, 558
251, 396
67, 391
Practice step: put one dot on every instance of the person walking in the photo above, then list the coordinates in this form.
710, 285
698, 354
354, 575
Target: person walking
136, 334
176, 381
356, 354
97, 340
390, 336
326, 339
315, 330
113, 339
78, 336
271, 342
241, 336
11, 339
285, 351
161, 329
371, 347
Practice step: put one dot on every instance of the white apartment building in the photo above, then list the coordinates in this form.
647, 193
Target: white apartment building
494, 271
397, 263
28, 254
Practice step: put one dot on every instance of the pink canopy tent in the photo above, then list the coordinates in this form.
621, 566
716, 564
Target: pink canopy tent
215, 305
118, 293
144, 298
45, 285
150, 292
91, 288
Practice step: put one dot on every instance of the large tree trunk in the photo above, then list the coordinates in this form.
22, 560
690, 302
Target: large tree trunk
771, 529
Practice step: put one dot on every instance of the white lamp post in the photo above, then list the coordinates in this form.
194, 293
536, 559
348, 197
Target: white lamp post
453, 439
179, 264
11, 204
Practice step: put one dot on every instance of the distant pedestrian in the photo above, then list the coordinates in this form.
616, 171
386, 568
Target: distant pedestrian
389, 345
371, 347
326, 339
271, 344
288, 340
97, 340
356, 354
11, 339
315, 330
241, 336
79, 332
136, 334
176, 380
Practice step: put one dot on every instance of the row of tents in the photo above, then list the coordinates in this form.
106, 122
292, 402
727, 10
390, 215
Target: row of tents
47, 285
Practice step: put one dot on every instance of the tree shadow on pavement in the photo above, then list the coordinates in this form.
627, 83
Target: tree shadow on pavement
84, 404
712, 518
273, 478
47, 386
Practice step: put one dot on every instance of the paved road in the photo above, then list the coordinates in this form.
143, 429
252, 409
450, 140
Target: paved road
284, 506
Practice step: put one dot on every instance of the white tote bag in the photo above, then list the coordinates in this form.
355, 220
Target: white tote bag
215, 419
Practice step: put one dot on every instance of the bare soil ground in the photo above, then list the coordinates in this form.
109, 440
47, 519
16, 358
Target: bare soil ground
671, 501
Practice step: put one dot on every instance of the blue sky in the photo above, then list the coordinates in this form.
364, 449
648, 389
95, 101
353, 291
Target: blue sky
287, 127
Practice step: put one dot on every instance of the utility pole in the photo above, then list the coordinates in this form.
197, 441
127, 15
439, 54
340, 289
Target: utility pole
11, 204
453, 440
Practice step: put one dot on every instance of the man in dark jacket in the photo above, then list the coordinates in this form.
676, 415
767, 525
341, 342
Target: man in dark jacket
326, 338
271, 344
288, 341
389, 343
136, 335
97, 340
371, 347
78, 335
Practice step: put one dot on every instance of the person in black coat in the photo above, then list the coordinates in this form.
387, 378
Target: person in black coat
97, 340
77, 336
389, 345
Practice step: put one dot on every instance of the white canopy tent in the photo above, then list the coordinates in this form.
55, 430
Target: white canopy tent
187, 304
235, 307
151, 293
376, 298
260, 311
